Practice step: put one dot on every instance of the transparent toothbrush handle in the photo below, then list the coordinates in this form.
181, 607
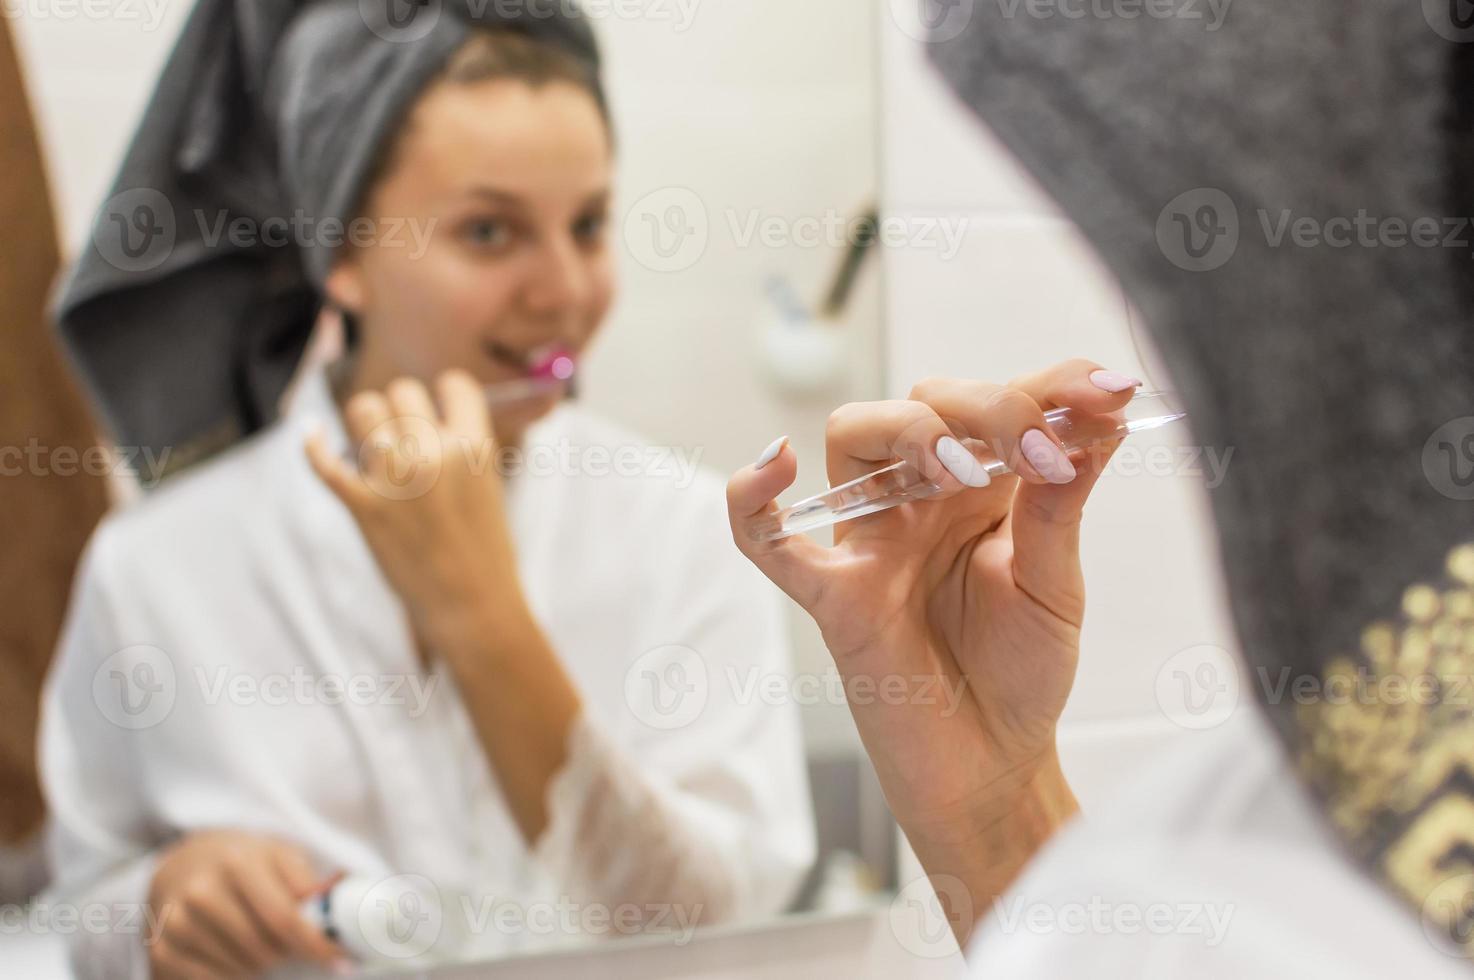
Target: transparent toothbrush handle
871, 494
902, 482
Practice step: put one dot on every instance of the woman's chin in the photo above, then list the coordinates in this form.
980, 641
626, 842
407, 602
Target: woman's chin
513, 420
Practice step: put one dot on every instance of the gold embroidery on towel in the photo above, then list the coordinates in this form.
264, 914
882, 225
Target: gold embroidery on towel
1389, 745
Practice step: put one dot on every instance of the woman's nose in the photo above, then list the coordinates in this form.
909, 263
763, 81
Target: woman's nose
562, 279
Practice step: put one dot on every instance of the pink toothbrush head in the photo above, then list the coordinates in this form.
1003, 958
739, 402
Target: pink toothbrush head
556, 364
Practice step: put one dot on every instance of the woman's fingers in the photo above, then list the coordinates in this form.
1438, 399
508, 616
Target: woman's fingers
275, 910
463, 402
295, 881
1078, 383
864, 436
1010, 418
1044, 524
1007, 419
793, 564
345, 484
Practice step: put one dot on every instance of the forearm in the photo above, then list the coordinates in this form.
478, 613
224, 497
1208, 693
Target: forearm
521, 701
988, 842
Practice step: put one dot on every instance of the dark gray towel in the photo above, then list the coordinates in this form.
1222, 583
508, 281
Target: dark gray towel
1341, 376
268, 111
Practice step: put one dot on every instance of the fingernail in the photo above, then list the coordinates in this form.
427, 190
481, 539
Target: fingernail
1113, 381
1046, 457
961, 463
342, 968
771, 453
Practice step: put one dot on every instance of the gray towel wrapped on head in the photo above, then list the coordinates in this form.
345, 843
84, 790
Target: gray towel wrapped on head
1286, 198
267, 118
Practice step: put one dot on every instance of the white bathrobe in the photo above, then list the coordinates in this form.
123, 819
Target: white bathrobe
233, 658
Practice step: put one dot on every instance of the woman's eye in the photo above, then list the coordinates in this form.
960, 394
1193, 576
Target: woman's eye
590, 228
488, 233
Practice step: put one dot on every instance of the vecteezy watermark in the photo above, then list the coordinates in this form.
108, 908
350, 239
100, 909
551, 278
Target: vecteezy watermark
414, 452
565, 917
138, 229
667, 687
1448, 916
671, 229
406, 21
1363, 686
932, 21
1448, 458
937, 21
1098, 916
405, 916
1198, 688
670, 686
136, 687
1212, 13
1452, 19
298, 686
148, 14
35, 459
140, 686
1210, 463
1201, 230
44, 917
929, 912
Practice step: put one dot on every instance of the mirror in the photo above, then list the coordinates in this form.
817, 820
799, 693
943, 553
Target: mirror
749, 305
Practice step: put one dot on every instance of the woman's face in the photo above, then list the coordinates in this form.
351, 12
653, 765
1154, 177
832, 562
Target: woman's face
503, 189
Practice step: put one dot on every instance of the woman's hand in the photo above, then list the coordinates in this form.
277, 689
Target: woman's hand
981, 589
429, 501
228, 905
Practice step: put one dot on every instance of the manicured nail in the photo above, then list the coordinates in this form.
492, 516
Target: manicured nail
961, 463
1113, 381
771, 453
1047, 458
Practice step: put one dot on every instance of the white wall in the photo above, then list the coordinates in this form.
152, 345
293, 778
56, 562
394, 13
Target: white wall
1025, 292
731, 110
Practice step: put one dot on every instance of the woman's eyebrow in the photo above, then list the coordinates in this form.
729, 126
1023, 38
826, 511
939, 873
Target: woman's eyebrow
493, 194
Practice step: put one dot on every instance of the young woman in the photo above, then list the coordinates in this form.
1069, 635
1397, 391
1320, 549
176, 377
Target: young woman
379, 638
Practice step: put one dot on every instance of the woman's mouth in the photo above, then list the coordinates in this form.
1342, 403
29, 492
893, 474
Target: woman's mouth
552, 361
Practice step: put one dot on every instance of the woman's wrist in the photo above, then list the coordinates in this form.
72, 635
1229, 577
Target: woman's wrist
493, 624
982, 844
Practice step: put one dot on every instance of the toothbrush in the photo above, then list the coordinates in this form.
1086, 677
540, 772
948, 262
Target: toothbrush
901, 483
550, 368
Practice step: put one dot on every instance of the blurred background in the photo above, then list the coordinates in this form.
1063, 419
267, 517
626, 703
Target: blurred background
759, 144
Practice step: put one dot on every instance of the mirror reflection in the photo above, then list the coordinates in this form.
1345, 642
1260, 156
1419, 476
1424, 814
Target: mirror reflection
403, 349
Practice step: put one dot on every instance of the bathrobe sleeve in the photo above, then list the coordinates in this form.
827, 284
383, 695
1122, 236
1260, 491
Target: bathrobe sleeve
692, 795
100, 846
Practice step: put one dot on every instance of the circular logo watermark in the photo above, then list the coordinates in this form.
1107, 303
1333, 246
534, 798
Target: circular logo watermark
401, 457
923, 914
667, 687
1448, 916
136, 230
1448, 459
932, 21
1453, 20
136, 687
401, 917
668, 230
1198, 231
400, 21
1198, 687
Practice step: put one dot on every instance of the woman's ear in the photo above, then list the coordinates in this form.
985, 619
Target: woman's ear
344, 285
